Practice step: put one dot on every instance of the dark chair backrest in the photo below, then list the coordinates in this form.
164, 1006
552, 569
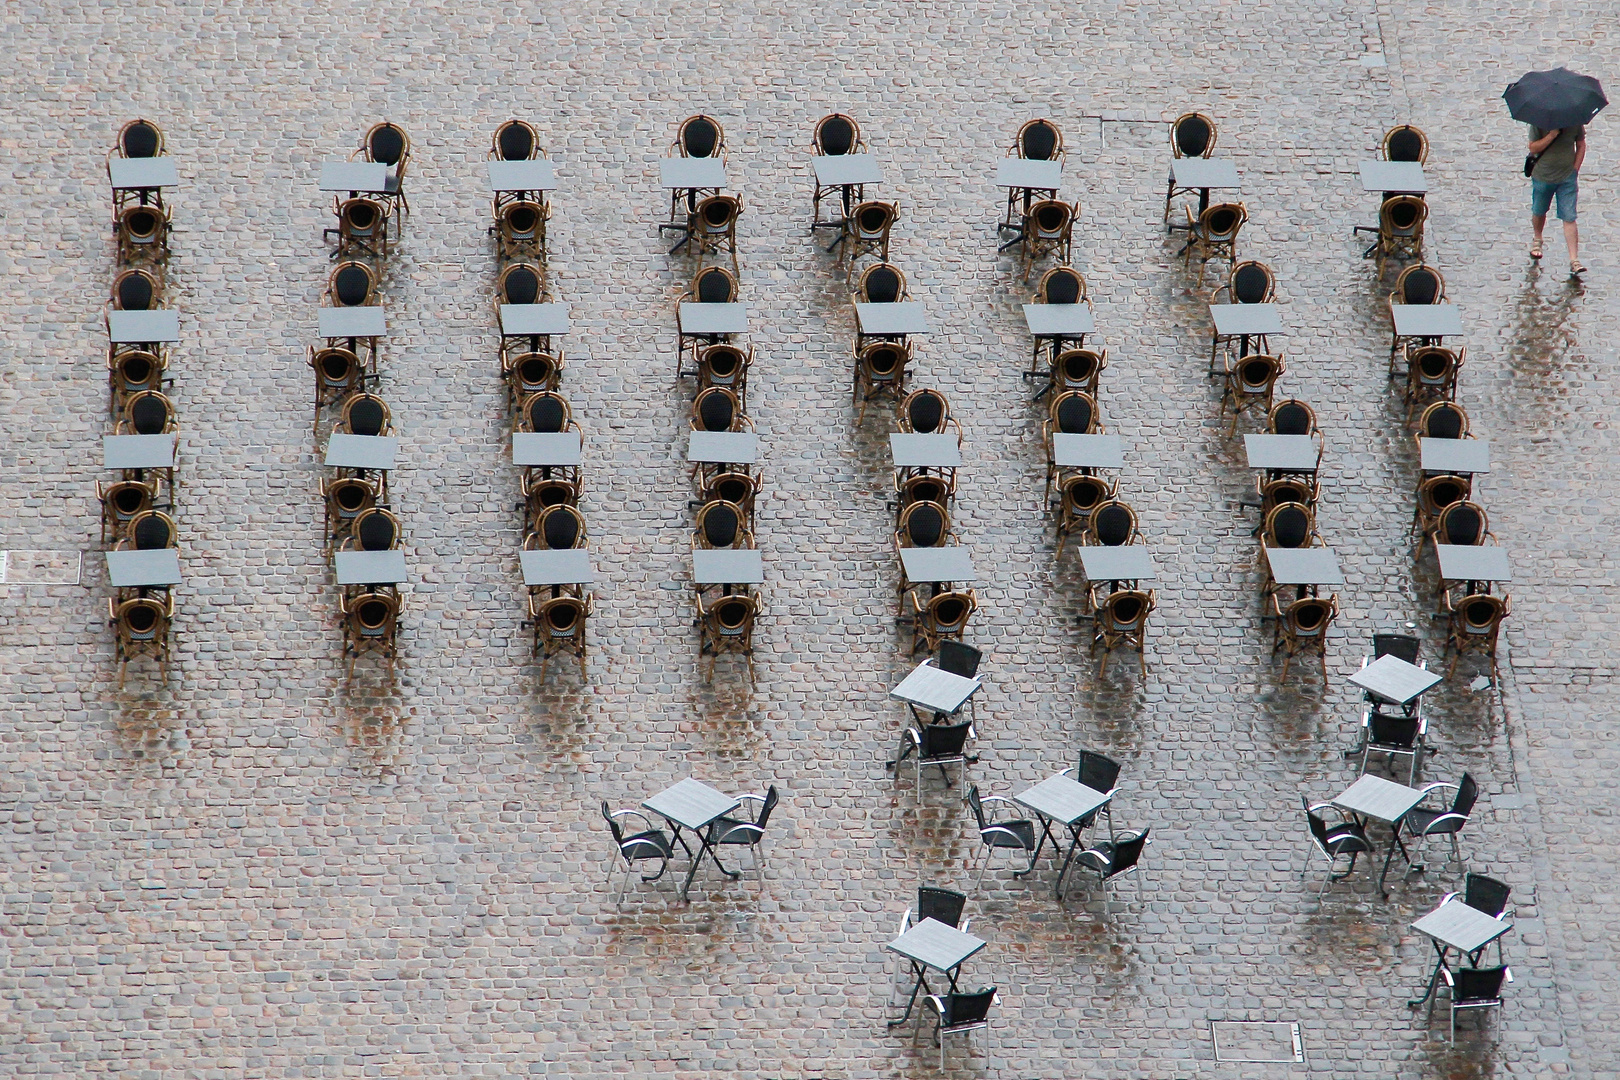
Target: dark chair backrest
959, 659
351, 285
613, 826
1075, 414
976, 804
360, 215
1290, 526
1420, 285
720, 525
717, 212
149, 414
765, 808
835, 134
141, 617
1220, 220
515, 140
1462, 524
1404, 143
546, 413
536, 369
520, 285
1256, 372
1192, 134
925, 524
874, 218
350, 495
559, 528
1480, 611
336, 365
521, 218
386, 144
1051, 216
1318, 826
1063, 286
135, 292
883, 359
366, 416
941, 905
716, 412
1467, 795
129, 498
732, 487
1251, 283
1477, 984
1113, 524
1084, 493
1434, 362
1039, 141
882, 285
1128, 852
944, 740
948, 609
722, 361
563, 615
1097, 771
1125, 607
1444, 420
142, 223
714, 286
1401, 646
1403, 212
962, 1009
141, 139
376, 532
153, 533
700, 137
925, 411
1308, 616
733, 612
1486, 894
1442, 491
1079, 366
1292, 418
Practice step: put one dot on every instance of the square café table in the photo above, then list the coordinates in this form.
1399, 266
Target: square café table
681, 173
536, 175
1012, 172
1087, 451
1063, 799
569, 566
938, 565
142, 327
1282, 453
694, 805
711, 319
138, 451
534, 320
931, 945
1304, 567
891, 320
1202, 175
546, 449
1128, 562
1394, 680
362, 451
1473, 564
1394, 177
369, 567
1246, 321
1426, 321
142, 174
1455, 925
1059, 320
846, 170
917, 450
353, 322
1463, 457
1374, 798
931, 688
727, 566
722, 447
143, 569
372, 177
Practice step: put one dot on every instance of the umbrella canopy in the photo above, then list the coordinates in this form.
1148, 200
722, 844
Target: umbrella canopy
1554, 99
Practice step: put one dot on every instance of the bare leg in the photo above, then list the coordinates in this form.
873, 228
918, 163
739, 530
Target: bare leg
1538, 222
1572, 240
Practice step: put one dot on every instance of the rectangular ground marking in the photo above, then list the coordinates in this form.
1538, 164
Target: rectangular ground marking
1258, 1040
40, 567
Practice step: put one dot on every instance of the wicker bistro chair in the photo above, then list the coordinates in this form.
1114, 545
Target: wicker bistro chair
1251, 382
958, 1013
1070, 413
1078, 369
142, 231
1474, 625
1048, 230
926, 412
712, 228
1078, 496
515, 140
923, 524
121, 501
881, 283
1121, 619
1462, 524
148, 530
141, 627
1416, 284
557, 527
923, 487
1290, 525
866, 232
146, 412
725, 365
134, 371
541, 491
529, 373
1400, 229
1250, 282
351, 284
710, 285
362, 228
545, 412
1405, 143
1059, 285
1192, 135
365, 414
1111, 523
722, 524
940, 618
1431, 375
370, 625
520, 229
387, 144
339, 372
521, 283
346, 498
698, 137
1302, 626
726, 626
1037, 140
136, 288
1434, 494
136, 139
836, 135
559, 627
733, 487
880, 370
1443, 420
717, 408
372, 529
1213, 234
1344, 837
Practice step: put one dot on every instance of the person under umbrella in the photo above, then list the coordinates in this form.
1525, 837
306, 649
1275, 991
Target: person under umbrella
1557, 105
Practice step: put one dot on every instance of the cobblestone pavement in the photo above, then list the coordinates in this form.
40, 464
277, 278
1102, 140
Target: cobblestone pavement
256, 871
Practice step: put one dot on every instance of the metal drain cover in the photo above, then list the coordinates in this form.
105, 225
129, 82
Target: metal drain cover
1257, 1040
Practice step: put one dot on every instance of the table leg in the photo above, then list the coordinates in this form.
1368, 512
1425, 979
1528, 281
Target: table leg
920, 984
1394, 840
1074, 846
1203, 200
1434, 978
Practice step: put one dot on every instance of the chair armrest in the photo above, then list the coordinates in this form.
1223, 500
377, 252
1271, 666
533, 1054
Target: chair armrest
995, 798
634, 813
1445, 973
905, 923
1437, 785
112, 609
988, 829
1450, 896
936, 1002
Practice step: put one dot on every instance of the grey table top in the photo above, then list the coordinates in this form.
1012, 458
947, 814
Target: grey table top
1304, 566
138, 327
1467, 563
1292, 453
913, 450
932, 565
361, 451
369, 567
904, 317
931, 688
560, 448
1426, 320
1246, 318
712, 318
1197, 172
1087, 451
569, 566
1393, 679
1379, 799
159, 566
1059, 320
1464, 928
534, 319
692, 172
1014, 172
934, 945
1128, 562
1466, 456
838, 169
1395, 177
129, 174
723, 447
138, 451
727, 566
353, 322
1061, 798
536, 175
367, 176
691, 803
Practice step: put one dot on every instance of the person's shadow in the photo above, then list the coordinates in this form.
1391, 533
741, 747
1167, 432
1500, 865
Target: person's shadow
1541, 335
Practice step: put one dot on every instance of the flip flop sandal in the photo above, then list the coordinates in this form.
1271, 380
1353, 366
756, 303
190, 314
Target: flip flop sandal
1535, 251
1576, 269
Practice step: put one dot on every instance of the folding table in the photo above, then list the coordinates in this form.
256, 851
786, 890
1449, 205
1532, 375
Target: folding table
1064, 799
1455, 925
1201, 175
568, 566
1282, 453
1087, 452
931, 688
361, 451
727, 567
1474, 565
931, 945
1131, 564
1376, 799
141, 174
142, 327
694, 805
371, 177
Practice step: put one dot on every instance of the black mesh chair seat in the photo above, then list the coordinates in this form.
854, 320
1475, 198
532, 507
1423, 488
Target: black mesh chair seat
742, 831
1461, 525
925, 525
386, 144
351, 285
366, 416
520, 285
1114, 524
1404, 144
1022, 838
1049, 219
1292, 418
135, 292
1110, 858
1075, 415
515, 141
1126, 611
1421, 286
149, 415
882, 286
141, 140
1421, 819
1344, 838
1387, 732
1221, 223
1444, 423
941, 905
959, 659
142, 621
1291, 527
129, 499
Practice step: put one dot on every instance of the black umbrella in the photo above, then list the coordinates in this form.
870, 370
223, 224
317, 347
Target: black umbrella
1554, 99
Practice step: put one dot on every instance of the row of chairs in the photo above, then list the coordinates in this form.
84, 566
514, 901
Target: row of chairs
1041, 224
1401, 215
862, 226
709, 225
137, 509
1212, 232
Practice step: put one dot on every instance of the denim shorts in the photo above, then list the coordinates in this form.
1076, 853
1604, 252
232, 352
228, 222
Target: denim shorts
1541, 197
